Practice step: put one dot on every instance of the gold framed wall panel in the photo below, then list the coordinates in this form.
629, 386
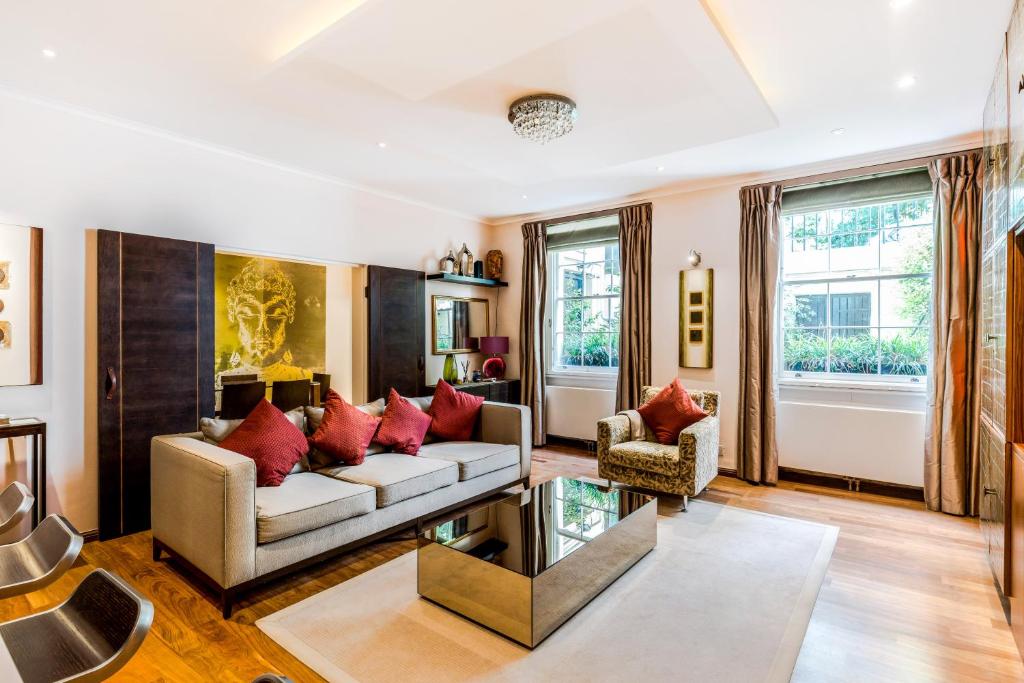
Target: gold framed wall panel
696, 318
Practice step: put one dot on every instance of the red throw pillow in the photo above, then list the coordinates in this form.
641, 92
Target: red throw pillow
403, 425
453, 413
670, 412
267, 436
345, 432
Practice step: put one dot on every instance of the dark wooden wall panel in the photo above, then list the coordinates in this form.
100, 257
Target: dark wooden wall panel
158, 324
396, 320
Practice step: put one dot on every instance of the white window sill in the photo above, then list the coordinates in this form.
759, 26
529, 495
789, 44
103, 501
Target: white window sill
853, 385
582, 380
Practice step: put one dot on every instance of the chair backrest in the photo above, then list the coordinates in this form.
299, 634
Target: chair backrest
237, 399
271, 678
325, 383
290, 394
235, 379
15, 502
89, 637
707, 400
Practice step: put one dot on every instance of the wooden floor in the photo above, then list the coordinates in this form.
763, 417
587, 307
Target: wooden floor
908, 596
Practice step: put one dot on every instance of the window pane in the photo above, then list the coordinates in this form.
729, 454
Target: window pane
905, 351
854, 304
907, 250
597, 350
855, 251
805, 351
905, 302
805, 305
805, 247
854, 351
570, 281
568, 349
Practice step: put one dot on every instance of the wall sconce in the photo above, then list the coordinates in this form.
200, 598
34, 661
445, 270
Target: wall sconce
694, 258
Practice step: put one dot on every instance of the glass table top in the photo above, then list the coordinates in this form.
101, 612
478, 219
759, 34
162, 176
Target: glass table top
530, 532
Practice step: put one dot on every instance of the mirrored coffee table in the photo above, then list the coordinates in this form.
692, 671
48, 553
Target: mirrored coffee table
523, 565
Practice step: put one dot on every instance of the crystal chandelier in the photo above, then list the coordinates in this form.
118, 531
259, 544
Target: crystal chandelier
542, 118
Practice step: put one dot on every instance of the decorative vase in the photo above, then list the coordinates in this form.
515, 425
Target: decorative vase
464, 261
495, 264
448, 263
450, 373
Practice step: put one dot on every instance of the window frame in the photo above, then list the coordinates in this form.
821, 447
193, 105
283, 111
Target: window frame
598, 377
840, 380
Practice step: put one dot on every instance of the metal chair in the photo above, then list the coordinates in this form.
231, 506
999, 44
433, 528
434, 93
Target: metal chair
237, 399
15, 502
89, 637
272, 678
40, 558
291, 394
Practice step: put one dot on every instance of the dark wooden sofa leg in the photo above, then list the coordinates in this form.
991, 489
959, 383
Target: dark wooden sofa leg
157, 549
227, 599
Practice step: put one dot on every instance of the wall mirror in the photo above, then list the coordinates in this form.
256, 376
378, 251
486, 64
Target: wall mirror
459, 323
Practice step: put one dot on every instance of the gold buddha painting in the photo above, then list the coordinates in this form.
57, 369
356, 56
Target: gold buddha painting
270, 318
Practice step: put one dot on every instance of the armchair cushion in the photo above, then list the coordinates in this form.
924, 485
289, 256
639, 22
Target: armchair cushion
645, 455
671, 411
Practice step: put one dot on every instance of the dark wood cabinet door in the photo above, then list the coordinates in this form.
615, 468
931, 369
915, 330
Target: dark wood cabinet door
155, 347
396, 320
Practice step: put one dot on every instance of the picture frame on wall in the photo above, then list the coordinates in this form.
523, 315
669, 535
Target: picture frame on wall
696, 313
21, 305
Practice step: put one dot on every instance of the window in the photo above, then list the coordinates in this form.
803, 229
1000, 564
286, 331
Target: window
584, 296
856, 289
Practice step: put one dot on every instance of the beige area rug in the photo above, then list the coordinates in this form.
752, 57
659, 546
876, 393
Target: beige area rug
725, 596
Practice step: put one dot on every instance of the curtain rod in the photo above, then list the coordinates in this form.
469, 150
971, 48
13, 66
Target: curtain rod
865, 170
589, 214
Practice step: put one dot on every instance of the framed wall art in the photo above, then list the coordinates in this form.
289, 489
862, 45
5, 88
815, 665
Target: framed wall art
21, 305
696, 310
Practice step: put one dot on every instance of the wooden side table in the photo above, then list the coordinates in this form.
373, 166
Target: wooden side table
36, 428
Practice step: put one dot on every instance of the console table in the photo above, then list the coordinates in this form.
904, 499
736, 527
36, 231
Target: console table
30, 426
499, 391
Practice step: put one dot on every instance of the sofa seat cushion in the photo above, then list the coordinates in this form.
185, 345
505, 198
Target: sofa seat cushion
307, 501
645, 455
473, 457
397, 476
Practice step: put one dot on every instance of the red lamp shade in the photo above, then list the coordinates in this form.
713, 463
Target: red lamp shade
494, 345
494, 367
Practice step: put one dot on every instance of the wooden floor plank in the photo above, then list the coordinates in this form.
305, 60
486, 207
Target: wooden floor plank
908, 596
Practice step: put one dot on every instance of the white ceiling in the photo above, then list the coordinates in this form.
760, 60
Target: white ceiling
698, 89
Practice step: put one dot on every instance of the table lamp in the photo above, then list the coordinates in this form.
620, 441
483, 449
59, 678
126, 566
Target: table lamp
494, 367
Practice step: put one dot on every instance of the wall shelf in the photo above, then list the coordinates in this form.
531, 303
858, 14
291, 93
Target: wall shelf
466, 280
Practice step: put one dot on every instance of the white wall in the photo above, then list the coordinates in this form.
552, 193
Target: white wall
67, 172
868, 435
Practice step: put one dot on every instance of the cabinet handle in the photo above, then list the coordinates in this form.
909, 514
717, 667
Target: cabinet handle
111, 383
990, 492
991, 337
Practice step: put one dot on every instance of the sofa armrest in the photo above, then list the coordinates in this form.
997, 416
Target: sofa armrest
204, 506
511, 424
698, 444
611, 431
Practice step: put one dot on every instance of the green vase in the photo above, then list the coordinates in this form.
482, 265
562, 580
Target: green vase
450, 373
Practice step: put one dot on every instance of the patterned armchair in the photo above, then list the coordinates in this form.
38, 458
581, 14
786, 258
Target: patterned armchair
627, 451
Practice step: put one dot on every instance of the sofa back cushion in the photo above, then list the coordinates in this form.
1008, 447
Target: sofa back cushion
345, 432
271, 440
215, 430
403, 426
669, 412
453, 414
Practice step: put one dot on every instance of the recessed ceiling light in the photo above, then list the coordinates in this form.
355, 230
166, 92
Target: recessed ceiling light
660, 169
838, 131
49, 54
905, 82
900, 4
525, 197
382, 145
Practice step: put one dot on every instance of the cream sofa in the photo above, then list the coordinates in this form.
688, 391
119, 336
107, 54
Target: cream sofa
208, 513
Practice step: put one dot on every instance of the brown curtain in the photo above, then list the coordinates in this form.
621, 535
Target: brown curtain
757, 459
531, 325
951, 457
635, 325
